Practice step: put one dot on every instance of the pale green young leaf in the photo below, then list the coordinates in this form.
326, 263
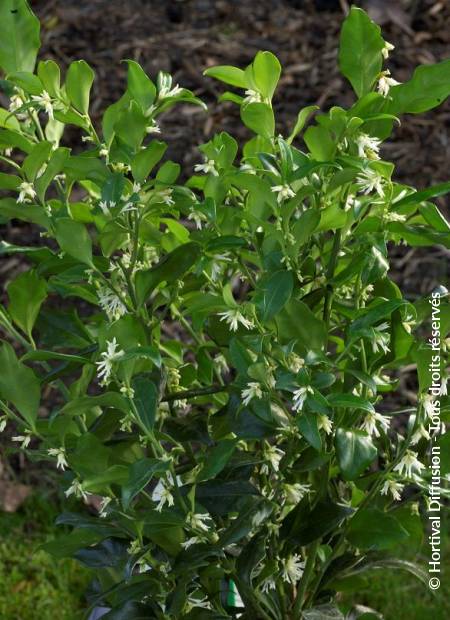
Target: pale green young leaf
360, 57
78, 84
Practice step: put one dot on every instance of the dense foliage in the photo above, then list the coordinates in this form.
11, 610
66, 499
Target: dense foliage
220, 353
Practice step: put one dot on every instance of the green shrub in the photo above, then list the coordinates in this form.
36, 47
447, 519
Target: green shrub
225, 385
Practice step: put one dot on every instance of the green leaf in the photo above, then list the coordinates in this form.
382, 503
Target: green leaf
140, 474
374, 529
146, 400
19, 385
423, 195
273, 293
259, 118
216, 459
303, 525
79, 81
302, 118
50, 75
328, 611
131, 125
250, 517
83, 404
26, 295
146, 159
355, 452
74, 239
266, 73
227, 74
428, 88
307, 425
116, 474
297, 322
350, 401
140, 86
320, 143
170, 268
360, 57
19, 36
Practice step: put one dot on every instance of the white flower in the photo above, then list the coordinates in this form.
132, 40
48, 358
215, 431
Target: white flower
253, 96
370, 423
166, 497
106, 206
370, 180
443, 388
23, 439
45, 101
198, 217
3, 423
368, 146
153, 128
295, 362
166, 91
60, 453
197, 521
388, 47
284, 192
209, 166
234, 317
190, 541
111, 304
395, 217
349, 202
300, 396
253, 390
103, 152
221, 363
394, 488
430, 405
420, 433
111, 355
15, 103
325, 423
136, 187
26, 192
380, 339
408, 464
103, 506
293, 569
296, 492
268, 584
76, 488
385, 82
127, 391
165, 196
274, 456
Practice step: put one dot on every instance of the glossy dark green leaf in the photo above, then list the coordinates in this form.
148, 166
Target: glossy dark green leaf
307, 425
350, 401
373, 529
355, 451
145, 400
217, 459
140, 474
273, 292
297, 322
170, 268
303, 525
